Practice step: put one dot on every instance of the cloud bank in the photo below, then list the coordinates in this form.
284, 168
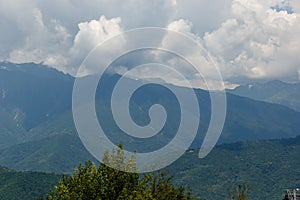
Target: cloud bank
248, 39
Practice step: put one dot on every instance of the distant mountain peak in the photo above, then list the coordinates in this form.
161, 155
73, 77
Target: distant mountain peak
37, 90
275, 91
38, 69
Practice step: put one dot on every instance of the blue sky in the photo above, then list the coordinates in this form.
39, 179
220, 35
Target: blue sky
248, 39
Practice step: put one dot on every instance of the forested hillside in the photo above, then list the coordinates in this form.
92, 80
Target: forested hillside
25, 185
267, 167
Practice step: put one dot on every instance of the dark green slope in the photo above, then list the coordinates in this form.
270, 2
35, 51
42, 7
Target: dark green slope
59, 153
268, 167
248, 119
25, 185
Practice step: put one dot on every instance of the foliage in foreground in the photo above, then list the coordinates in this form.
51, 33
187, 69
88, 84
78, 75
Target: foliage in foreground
90, 182
240, 193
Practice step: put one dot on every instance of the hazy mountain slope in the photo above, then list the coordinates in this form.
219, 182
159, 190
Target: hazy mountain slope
55, 145
11, 132
36, 91
287, 94
247, 119
255, 120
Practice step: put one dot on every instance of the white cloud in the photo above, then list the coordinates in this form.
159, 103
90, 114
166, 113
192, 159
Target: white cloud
181, 25
29, 39
182, 45
93, 33
45, 31
206, 15
246, 37
257, 42
204, 72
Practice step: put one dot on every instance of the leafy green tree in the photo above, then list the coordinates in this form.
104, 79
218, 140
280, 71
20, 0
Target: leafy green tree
162, 188
91, 183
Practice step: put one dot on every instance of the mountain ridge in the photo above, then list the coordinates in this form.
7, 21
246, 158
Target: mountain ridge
247, 119
287, 94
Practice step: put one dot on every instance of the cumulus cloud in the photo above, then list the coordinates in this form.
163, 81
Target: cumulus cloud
45, 31
96, 31
181, 50
257, 42
246, 38
26, 37
93, 33
206, 15
181, 25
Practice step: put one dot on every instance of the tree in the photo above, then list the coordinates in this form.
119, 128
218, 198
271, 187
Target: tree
240, 193
90, 183
162, 188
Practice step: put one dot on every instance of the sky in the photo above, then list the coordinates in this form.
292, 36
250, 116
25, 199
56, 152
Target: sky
250, 40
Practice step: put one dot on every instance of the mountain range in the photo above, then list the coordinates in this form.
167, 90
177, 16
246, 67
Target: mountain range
287, 94
37, 131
